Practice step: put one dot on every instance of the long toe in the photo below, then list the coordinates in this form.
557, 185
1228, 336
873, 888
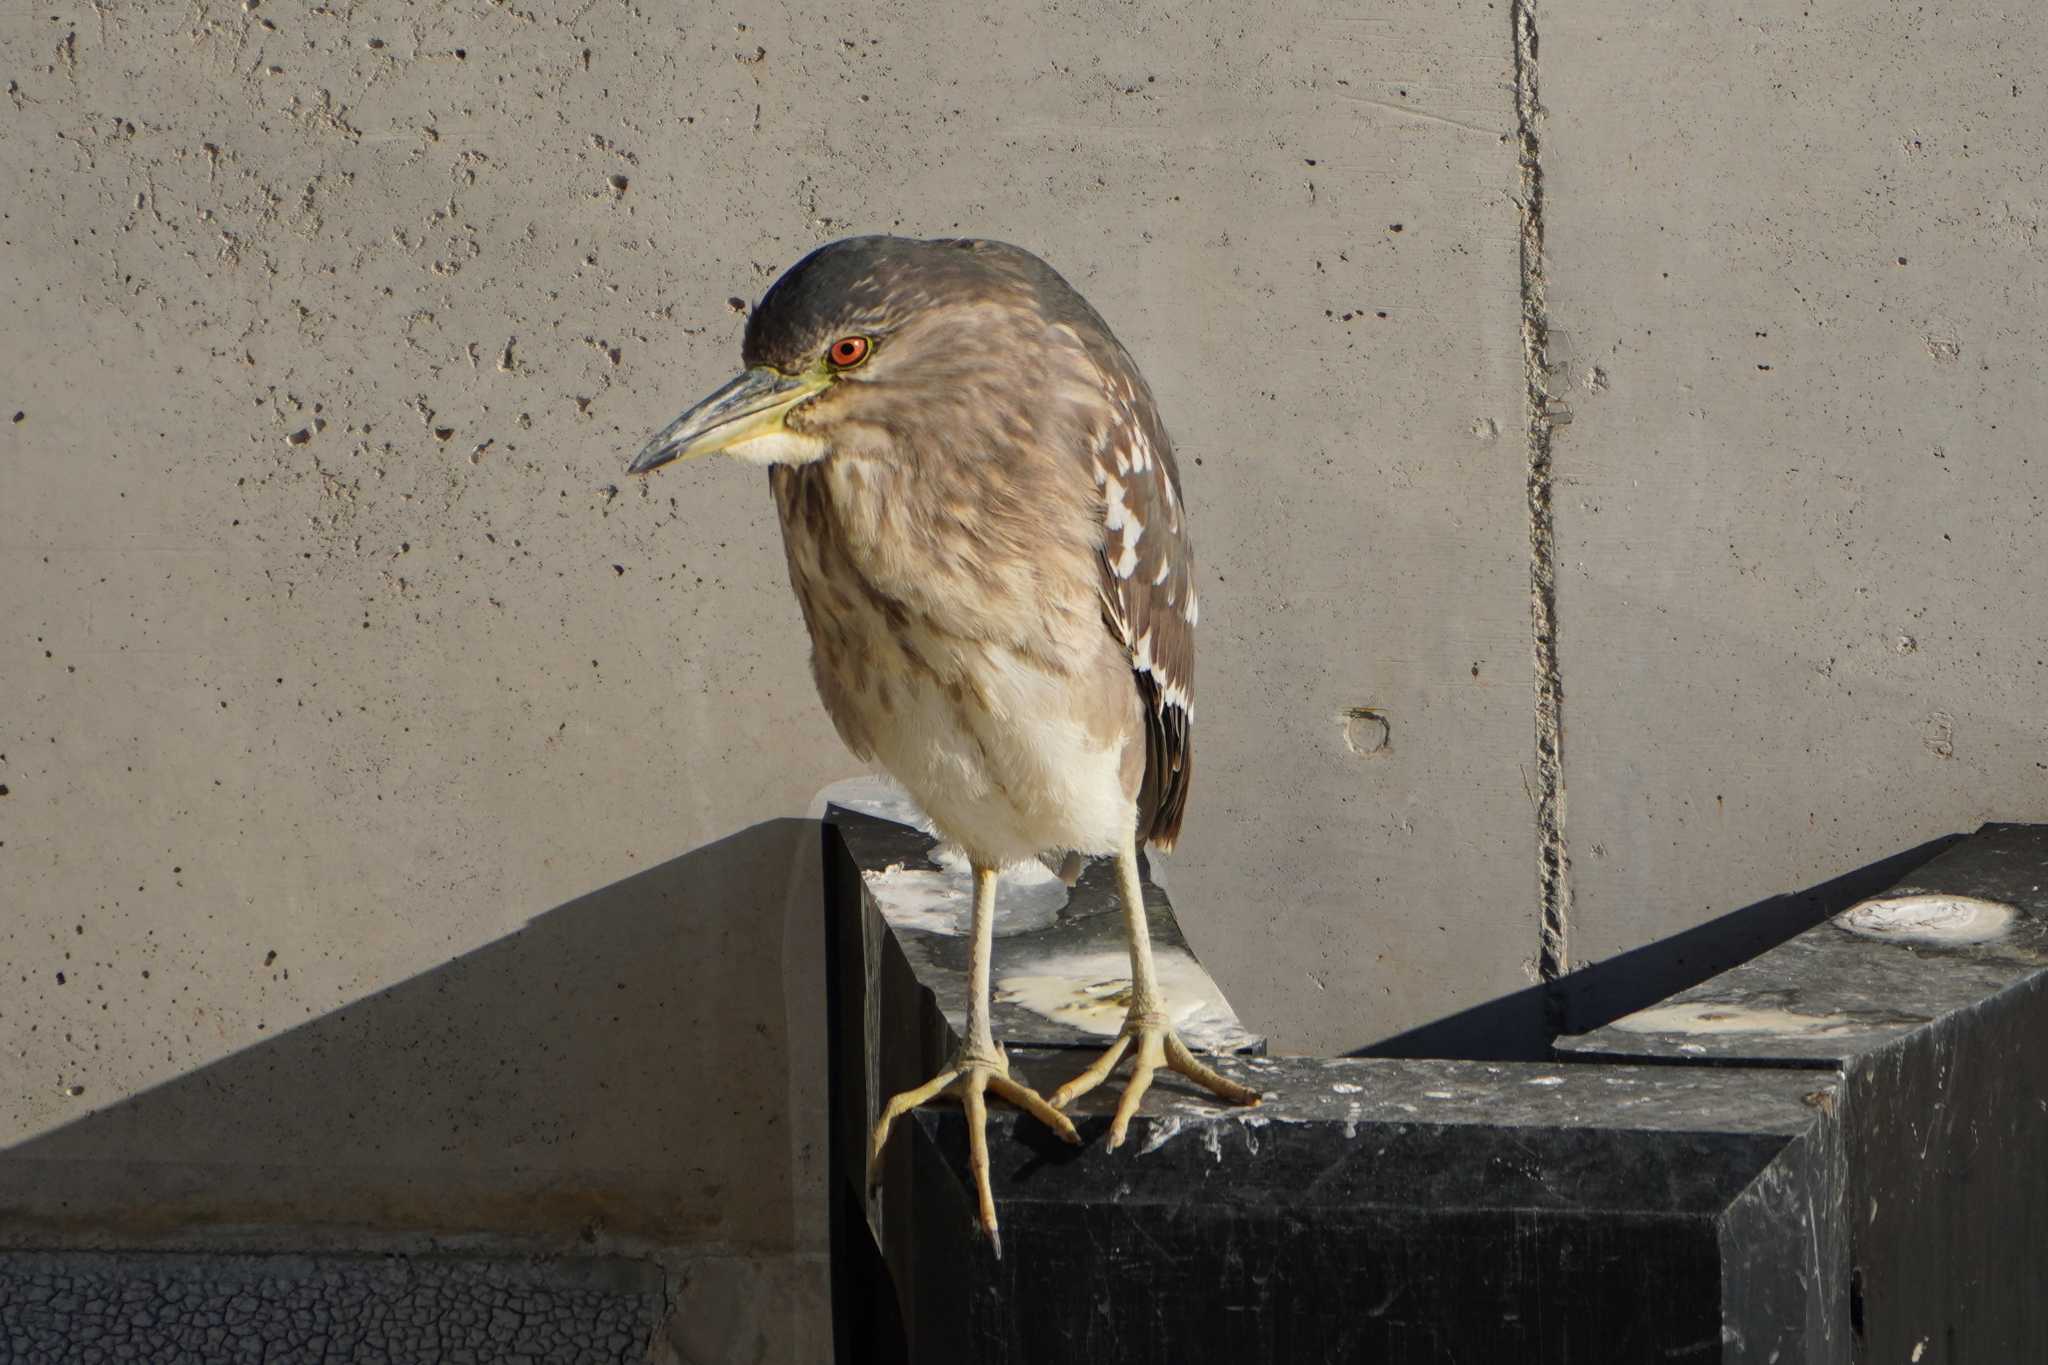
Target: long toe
974, 1082
1152, 1044
1150, 1055
897, 1107
1187, 1064
1034, 1104
1097, 1072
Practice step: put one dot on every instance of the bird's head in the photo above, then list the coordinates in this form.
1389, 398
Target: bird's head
876, 342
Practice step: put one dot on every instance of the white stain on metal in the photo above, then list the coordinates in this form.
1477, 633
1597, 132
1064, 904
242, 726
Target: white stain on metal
1712, 1017
940, 902
1929, 918
1163, 1131
1028, 896
876, 796
1091, 992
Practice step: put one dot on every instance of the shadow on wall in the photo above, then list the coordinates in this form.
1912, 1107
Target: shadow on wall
622, 1071
1520, 1027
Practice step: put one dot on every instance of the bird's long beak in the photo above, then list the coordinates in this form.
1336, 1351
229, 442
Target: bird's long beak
751, 406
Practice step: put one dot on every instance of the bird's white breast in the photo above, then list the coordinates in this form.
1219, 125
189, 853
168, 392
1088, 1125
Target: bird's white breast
1009, 775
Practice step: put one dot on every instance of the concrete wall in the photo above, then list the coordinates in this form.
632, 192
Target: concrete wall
397, 787
1796, 274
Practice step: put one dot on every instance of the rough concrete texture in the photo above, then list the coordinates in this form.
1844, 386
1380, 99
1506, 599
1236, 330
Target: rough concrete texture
339, 636
348, 682
1795, 276
354, 696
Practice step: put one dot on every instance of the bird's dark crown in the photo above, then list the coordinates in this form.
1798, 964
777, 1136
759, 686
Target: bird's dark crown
867, 285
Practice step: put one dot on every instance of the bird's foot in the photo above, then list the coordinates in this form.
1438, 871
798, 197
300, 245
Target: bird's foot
969, 1078
1153, 1044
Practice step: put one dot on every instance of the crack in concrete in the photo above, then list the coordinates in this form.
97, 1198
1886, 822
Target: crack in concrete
1553, 863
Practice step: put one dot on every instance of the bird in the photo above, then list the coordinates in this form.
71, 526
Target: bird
985, 532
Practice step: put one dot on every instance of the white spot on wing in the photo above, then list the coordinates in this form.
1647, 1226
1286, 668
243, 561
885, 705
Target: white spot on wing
1141, 451
1113, 491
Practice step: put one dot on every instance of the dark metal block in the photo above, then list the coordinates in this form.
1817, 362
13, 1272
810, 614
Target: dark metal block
1829, 1151
1930, 1003
1395, 1211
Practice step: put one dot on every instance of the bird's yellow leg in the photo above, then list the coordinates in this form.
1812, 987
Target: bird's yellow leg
1146, 1035
979, 1069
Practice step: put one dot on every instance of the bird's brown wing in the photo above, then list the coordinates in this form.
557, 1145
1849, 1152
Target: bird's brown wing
1146, 561
1147, 582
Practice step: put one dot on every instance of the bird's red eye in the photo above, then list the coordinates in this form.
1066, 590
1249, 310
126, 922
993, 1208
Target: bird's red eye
848, 352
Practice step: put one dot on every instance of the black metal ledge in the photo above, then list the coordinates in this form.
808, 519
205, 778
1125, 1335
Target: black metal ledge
1388, 1210
1804, 1172
1929, 1006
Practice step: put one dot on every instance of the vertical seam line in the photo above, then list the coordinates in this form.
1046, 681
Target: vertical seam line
1553, 863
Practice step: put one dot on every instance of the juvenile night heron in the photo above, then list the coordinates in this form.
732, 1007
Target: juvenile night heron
985, 532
